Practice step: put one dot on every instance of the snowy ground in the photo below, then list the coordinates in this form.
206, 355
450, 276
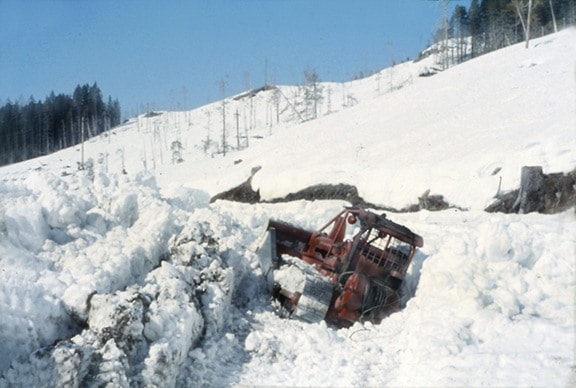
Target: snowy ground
137, 279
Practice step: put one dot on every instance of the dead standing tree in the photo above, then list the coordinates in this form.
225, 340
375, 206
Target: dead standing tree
524, 10
223, 83
312, 92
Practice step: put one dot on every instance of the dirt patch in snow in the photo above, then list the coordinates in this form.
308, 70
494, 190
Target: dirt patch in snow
341, 191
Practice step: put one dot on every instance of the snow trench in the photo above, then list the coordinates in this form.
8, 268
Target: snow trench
107, 281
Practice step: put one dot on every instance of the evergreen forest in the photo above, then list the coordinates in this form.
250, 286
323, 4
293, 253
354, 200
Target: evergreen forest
36, 128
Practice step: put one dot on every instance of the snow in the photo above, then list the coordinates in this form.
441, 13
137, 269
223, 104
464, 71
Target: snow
137, 279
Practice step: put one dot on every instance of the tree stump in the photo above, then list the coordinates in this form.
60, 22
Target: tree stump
532, 190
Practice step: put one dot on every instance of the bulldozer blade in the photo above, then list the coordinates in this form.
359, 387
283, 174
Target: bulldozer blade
268, 256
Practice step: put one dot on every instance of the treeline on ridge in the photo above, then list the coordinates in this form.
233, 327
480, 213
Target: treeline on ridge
488, 25
60, 121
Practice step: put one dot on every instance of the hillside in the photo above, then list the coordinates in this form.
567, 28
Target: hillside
401, 130
125, 273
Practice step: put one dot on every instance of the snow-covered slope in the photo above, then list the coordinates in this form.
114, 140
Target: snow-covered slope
402, 135
136, 279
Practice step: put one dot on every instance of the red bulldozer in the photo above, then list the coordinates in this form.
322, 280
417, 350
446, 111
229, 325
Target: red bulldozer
349, 270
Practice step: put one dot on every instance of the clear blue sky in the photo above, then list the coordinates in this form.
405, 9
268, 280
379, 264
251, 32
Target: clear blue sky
174, 54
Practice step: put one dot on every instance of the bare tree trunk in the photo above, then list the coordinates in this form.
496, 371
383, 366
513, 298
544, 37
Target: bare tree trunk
528, 23
82, 147
553, 16
223, 90
237, 129
519, 5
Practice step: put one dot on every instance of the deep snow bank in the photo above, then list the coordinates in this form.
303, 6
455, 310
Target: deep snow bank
170, 293
66, 238
113, 282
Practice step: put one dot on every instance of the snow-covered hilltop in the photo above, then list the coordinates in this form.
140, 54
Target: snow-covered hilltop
137, 279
